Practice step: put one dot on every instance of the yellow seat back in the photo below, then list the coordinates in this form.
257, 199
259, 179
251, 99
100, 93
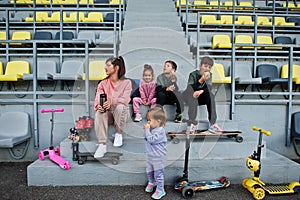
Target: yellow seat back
226, 19
243, 39
17, 67
96, 70
218, 74
221, 41
295, 72
20, 35
94, 17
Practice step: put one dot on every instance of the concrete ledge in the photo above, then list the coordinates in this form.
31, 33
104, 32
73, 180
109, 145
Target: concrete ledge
275, 169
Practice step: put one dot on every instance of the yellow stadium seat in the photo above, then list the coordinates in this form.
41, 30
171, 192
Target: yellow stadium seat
295, 72
218, 74
96, 70
73, 17
15, 70
280, 21
94, 17
228, 5
91, 2
1, 68
57, 1
265, 41
209, 19
55, 17
69, 2
290, 5
226, 19
246, 5
214, 4
3, 37
20, 35
39, 17
116, 2
182, 4
264, 21
243, 39
200, 4
244, 20
221, 42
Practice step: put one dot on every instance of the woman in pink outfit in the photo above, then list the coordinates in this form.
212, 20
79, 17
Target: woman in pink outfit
115, 109
147, 92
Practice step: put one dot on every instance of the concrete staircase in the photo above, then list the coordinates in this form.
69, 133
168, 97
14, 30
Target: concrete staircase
152, 34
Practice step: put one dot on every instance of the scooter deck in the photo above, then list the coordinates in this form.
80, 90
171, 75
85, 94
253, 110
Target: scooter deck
206, 133
278, 189
114, 157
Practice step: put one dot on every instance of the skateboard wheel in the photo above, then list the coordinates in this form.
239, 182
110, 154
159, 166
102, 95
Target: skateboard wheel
41, 155
188, 192
259, 193
239, 139
115, 161
80, 161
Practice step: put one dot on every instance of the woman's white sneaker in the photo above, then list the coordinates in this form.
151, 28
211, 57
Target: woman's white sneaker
101, 150
118, 140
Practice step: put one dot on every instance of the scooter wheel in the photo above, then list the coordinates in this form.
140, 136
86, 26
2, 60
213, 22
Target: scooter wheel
80, 162
188, 192
115, 161
239, 139
41, 155
259, 193
67, 166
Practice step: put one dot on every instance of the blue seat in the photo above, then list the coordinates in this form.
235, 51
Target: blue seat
269, 74
66, 35
43, 35
13, 134
295, 130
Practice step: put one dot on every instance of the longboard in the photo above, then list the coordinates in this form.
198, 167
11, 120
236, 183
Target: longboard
206, 133
114, 157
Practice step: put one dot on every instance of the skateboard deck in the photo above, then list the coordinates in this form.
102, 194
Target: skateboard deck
206, 133
114, 157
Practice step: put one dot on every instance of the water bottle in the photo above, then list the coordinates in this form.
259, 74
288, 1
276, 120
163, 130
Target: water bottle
102, 100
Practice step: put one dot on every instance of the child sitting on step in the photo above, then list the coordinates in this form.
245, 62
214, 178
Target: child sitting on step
198, 92
156, 150
147, 92
167, 91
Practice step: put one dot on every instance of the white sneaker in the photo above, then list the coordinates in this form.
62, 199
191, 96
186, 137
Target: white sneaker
101, 150
118, 140
138, 118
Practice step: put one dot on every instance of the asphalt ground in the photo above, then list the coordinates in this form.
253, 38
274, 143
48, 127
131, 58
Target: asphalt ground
13, 185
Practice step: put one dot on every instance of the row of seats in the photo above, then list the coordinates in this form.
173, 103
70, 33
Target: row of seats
69, 2
48, 70
72, 17
245, 5
47, 35
247, 20
220, 41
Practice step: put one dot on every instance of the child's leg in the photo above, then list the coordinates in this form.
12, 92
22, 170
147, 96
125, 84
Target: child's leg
150, 172
136, 102
161, 98
153, 102
209, 100
159, 169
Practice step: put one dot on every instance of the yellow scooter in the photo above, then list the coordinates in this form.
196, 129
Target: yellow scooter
254, 184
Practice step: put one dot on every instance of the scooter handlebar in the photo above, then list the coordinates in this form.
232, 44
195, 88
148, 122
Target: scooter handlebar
52, 110
267, 133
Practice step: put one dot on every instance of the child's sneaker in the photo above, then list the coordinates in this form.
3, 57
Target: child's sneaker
215, 129
158, 194
138, 117
150, 187
178, 118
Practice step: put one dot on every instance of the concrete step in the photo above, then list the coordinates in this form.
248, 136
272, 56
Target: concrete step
127, 172
153, 6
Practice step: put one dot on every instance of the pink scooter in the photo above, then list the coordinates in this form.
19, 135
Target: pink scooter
54, 154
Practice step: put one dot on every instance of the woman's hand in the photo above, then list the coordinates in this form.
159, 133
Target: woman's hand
106, 106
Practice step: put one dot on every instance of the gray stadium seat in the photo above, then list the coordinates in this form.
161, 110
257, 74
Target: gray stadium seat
70, 70
87, 35
244, 78
12, 133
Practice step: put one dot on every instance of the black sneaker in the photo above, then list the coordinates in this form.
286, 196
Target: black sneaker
178, 118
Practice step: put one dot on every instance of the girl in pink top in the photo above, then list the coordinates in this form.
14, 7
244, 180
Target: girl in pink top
147, 92
115, 109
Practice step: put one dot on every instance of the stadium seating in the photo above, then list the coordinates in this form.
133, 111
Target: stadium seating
20, 35
55, 17
12, 133
39, 17
218, 74
209, 19
73, 17
243, 39
70, 70
269, 74
94, 17
280, 21
96, 70
244, 20
87, 35
15, 70
295, 73
226, 19
283, 40
199, 4
2, 37
263, 21
221, 42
